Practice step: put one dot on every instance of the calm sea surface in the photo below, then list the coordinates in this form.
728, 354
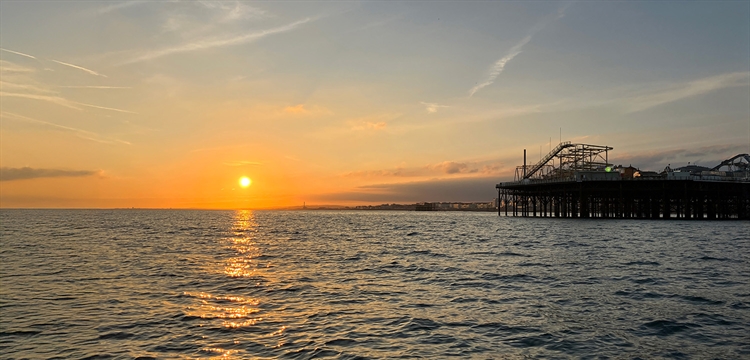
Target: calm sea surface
200, 284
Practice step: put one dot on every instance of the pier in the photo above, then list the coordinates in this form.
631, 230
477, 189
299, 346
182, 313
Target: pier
577, 181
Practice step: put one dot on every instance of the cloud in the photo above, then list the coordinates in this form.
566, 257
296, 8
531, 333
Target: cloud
688, 89
9, 67
4, 85
487, 167
460, 189
92, 72
709, 156
94, 87
107, 108
432, 107
452, 167
84, 134
499, 65
61, 101
220, 42
26, 173
118, 6
237, 11
18, 53
368, 125
53, 99
296, 109
304, 110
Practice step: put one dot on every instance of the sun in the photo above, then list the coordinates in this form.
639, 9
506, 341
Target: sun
245, 181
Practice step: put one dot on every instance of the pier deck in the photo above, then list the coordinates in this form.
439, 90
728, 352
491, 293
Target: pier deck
624, 199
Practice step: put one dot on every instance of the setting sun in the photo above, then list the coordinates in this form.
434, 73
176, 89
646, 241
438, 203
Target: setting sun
245, 181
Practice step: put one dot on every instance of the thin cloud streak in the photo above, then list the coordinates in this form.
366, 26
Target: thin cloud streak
24, 87
63, 102
92, 72
688, 89
432, 107
9, 67
107, 108
26, 173
118, 6
212, 43
84, 134
94, 87
18, 53
499, 65
53, 99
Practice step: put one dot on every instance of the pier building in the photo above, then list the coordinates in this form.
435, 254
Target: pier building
578, 181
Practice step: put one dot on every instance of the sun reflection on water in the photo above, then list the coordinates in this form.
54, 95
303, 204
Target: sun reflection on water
234, 311
243, 242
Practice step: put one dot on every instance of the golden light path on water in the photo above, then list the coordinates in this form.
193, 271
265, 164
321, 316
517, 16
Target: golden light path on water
234, 311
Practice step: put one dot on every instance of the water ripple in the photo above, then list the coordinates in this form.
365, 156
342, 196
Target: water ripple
367, 285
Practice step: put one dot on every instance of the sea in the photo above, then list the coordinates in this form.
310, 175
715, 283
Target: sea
184, 284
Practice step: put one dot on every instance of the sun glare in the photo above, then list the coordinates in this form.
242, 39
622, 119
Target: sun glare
245, 181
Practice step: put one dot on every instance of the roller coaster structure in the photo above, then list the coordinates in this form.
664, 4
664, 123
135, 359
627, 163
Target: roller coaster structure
577, 181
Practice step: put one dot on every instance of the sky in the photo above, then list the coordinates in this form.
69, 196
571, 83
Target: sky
167, 104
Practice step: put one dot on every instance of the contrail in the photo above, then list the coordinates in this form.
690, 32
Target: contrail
500, 65
18, 53
94, 87
106, 108
207, 44
92, 72
53, 99
88, 135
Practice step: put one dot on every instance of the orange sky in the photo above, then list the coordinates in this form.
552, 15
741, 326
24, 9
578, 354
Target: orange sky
168, 104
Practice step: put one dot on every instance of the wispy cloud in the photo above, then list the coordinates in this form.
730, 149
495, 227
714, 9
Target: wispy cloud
499, 65
26, 173
18, 53
62, 101
107, 108
708, 156
220, 42
302, 109
53, 99
92, 72
235, 11
94, 87
687, 89
432, 107
118, 6
84, 134
9, 67
4, 85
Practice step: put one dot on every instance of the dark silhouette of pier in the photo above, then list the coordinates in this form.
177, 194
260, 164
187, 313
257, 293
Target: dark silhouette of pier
577, 181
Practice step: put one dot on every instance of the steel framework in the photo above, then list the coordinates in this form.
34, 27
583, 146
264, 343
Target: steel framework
552, 188
564, 160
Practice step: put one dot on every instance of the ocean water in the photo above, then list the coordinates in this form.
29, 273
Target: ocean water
355, 285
